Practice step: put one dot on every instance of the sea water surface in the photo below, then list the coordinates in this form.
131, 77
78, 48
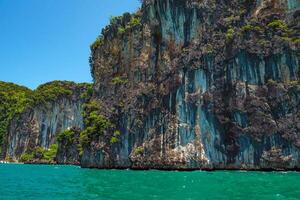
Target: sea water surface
71, 182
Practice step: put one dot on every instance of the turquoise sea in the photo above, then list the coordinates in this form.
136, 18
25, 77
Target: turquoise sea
71, 182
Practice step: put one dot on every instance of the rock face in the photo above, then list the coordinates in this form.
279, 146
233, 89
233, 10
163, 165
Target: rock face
39, 125
199, 85
293, 4
69, 148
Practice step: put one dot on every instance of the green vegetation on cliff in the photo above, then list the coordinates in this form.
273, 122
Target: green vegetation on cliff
96, 124
115, 138
70, 137
118, 81
56, 89
15, 99
50, 153
41, 154
122, 26
139, 150
53, 90
66, 136
97, 43
134, 21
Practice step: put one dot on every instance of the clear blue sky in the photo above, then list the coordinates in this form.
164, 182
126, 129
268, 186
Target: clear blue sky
45, 40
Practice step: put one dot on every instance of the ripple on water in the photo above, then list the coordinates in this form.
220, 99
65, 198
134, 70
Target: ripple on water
72, 182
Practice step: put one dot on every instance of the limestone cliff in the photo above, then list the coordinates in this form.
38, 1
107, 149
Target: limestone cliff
55, 107
187, 84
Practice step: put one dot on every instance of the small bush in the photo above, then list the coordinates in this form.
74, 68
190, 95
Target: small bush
96, 44
115, 137
66, 136
50, 154
246, 28
121, 30
139, 150
113, 19
25, 157
229, 34
262, 42
118, 81
249, 27
114, 140
38, 153
135, 21
278, 24
9, 159
117, 133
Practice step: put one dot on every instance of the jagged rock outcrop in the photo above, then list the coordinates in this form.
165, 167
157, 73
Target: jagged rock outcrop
69, 147
56, 107
198, 84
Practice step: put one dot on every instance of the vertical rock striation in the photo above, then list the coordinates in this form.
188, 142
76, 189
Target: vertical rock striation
57, 107
39, 126
199, 84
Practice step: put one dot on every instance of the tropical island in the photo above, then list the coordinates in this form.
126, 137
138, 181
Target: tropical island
178, 85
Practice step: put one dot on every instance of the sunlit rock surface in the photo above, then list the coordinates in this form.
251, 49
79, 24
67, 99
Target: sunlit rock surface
39, 125
205, 84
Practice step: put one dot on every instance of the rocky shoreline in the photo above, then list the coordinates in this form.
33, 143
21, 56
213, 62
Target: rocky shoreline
164, 169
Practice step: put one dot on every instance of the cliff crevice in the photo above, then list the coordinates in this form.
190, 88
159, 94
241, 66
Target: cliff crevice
195, 84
